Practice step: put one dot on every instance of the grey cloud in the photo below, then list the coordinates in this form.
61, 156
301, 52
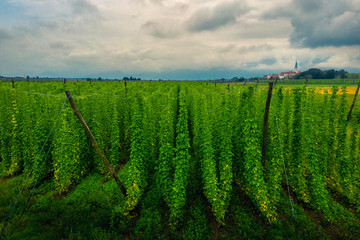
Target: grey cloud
157, 1
181, 7
233, 48
325, 23
206, 19
159, 30
154, 2
58, 45
84, 7
84, 11
320, 60
267, 61
309, 5
255, 48
4, 34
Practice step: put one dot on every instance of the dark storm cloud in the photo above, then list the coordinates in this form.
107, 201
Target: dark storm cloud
206, 19
325, 23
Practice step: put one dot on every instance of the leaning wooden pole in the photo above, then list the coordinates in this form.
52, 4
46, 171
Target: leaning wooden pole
266, 123
353, 103
94, 143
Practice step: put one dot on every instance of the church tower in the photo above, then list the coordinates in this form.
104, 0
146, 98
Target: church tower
296, 67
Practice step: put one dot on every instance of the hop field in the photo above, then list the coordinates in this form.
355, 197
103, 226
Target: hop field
189, 155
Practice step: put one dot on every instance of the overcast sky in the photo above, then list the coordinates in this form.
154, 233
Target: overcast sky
176, 39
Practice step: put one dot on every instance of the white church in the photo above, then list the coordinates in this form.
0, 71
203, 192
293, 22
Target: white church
290, 74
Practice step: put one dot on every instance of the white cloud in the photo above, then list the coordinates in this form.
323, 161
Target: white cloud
90, 36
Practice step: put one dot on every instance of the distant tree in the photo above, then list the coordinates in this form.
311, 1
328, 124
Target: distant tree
329, 74
342, 73
316, 73
99, 79
352, 75
308, 76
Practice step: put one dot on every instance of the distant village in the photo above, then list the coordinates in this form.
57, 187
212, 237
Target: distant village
285, 75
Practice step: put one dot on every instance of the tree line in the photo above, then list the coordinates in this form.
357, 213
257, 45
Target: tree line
315, 73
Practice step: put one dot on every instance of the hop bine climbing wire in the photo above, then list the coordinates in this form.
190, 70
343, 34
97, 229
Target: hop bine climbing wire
31, 171
283, 161
94, 143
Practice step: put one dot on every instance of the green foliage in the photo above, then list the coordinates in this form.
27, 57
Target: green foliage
137, 172
298, 171
273, 171
68, 165
197, 225
255, 186
189, 156
166, 150
316, 177
341, 150
182, 157
150, 225
15, 142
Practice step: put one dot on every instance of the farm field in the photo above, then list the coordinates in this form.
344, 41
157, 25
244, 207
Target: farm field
189, 155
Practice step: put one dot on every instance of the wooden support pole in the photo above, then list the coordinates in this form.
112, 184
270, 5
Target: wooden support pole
353, 103
244, 82
306, 81
215, 84
228, 87
64, 80
266, 121
125, 82
12, 82
94, 143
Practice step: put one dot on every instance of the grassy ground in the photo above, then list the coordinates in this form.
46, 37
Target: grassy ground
87, 213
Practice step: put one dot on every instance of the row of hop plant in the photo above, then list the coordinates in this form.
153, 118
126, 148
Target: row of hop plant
320, 151
158, 133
